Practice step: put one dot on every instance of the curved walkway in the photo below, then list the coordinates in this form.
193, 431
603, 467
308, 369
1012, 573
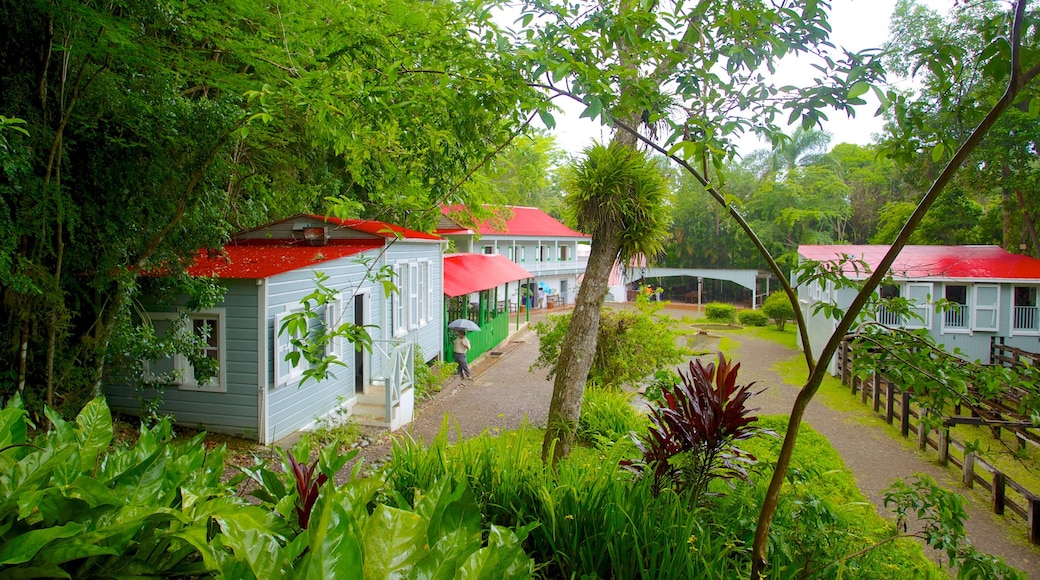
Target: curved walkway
503, 392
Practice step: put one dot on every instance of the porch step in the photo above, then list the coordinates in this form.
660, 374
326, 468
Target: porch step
373, 395
370, 415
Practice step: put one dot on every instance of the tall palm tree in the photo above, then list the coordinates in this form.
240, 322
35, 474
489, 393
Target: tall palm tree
803, 147
617, 195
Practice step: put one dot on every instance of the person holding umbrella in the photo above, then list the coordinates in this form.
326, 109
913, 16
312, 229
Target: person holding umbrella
461, 345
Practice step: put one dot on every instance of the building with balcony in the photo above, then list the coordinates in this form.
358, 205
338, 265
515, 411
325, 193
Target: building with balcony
554, 254
963, 296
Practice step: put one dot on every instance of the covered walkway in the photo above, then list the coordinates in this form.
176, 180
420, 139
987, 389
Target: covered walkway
755, 281
471, 283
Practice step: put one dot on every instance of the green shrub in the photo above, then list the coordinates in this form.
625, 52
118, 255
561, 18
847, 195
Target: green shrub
778, 307
608, 415
720, 312
73, 506
595, 522
631, 343
752, 318
430, 377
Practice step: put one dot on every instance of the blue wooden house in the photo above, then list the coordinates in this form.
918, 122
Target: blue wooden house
266, 272
987, 293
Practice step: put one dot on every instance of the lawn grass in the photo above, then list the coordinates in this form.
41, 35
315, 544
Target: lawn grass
1021, 466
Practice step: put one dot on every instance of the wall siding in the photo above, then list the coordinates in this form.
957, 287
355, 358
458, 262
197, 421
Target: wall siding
234, 412
974, 344
291, 407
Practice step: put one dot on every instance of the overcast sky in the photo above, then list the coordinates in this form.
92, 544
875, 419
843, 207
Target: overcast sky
855, 24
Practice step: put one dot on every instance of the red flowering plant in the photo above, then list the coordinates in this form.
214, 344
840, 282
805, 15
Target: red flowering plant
693, 433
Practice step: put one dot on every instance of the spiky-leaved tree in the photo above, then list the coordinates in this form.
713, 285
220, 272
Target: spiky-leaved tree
617, 195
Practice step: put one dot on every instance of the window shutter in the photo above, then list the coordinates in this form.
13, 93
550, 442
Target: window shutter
282, 347
920, 297
413, 295
985, 307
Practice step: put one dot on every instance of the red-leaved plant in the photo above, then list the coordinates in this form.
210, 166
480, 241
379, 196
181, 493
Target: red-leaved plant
307, 484
693, 433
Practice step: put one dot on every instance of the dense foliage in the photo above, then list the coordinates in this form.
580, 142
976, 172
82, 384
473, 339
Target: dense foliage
594, 520
632, 343
720, 312
72, 506
777, 306
150, 130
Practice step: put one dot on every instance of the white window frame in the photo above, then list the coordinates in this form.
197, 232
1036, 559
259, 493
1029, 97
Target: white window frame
426, 274
399, 300
966, 307
422, 280
284, 371
1015, 305
333, 320
922, 308
184, 371
489, 250
413, 296
991, 310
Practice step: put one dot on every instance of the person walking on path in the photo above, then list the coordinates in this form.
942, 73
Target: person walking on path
461, 345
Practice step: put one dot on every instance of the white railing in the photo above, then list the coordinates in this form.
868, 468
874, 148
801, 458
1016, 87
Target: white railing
549, 268
1025, 318
395, 369
888, 318
956, 317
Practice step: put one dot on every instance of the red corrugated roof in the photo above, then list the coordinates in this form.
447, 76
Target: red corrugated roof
377, 228
256, 260
526, 221
465, 273
953, 262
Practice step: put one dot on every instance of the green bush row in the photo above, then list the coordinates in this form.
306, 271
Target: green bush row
720, 312
752, 318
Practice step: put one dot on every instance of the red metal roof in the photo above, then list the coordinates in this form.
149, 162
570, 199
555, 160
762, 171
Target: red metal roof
262, 260
377, 228
526, 221
465, 273
951, 262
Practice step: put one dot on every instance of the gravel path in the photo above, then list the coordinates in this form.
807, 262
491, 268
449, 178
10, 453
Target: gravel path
503, 393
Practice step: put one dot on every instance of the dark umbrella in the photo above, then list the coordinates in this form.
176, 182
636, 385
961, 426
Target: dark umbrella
463, 324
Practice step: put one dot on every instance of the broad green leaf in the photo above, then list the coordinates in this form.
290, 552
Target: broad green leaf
547, 119
394, 540
593, 109
256, 547
938, 151
447, 556
334, 547
24, 547
858, 89
95, 432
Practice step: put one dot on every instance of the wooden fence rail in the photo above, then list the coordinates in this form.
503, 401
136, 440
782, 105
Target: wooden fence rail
898, 405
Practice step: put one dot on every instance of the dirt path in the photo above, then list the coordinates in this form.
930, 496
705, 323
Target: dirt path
504, 393
876, 459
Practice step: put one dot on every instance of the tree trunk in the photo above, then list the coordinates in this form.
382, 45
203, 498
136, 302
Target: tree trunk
1028, 222
577, 351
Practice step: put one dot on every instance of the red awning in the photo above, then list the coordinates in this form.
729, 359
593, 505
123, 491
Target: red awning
466, 273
